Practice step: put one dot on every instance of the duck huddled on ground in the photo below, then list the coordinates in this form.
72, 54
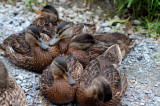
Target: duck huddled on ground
11, 93
29, 51
48, 20
101, 83
84, 46
60, 80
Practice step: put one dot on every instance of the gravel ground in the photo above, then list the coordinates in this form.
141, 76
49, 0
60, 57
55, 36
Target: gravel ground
142, 72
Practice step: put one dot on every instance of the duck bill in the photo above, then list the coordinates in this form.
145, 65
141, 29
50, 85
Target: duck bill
54, 40
42, 44
37, 9
67, 76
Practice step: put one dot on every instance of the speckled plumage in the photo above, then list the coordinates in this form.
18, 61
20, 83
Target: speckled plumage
85, 54
57, 90
30, 56
36, 62
106, 66
11, 94
122, 40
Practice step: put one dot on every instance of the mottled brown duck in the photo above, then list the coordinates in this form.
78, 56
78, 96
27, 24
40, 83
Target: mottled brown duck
85, 49
11, 94
64, 33
33, 54
48, 21
60, 80
122, 40
101, 83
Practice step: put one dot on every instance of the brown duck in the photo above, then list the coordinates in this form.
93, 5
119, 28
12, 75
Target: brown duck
64, 33
60, 80
101, 83
122, 40
48, 21
85, 49
33, 54
11, 94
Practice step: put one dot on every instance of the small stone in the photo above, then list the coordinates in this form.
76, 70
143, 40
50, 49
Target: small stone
37, 88
107, 29
141, 104
147, 91
147, 58
73, 15
140, 71
40, 1
19, 77
27, 23
88, 12
156, 84
136, 22
105, 24
19, 82
61, 9
157, 99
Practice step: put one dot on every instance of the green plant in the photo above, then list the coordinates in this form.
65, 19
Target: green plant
145, 10
139, 8
29, 3
10, 1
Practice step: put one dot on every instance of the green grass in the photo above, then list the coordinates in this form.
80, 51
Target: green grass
145, 10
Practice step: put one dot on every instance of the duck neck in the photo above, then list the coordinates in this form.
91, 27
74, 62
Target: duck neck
85, 98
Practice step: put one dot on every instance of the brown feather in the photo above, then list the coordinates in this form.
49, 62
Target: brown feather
11, 93
103, 67
36, 62
122, 40
57, 90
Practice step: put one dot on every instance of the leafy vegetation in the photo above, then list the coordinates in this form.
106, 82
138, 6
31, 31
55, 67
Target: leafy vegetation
145, 10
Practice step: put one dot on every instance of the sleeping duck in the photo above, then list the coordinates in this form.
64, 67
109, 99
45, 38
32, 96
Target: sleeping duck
101, 83
32, 53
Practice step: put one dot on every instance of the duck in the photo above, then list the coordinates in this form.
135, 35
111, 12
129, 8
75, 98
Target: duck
48, 21
33, 54
11, 94
85, 48
101, 83
65, 33
122, 40
59, 81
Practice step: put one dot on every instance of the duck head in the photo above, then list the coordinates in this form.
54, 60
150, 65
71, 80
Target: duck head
100, 90
60, 69
82, 41
4, 77
64, 32
33, 38
48, 12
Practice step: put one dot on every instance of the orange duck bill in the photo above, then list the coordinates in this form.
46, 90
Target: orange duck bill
37, 9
